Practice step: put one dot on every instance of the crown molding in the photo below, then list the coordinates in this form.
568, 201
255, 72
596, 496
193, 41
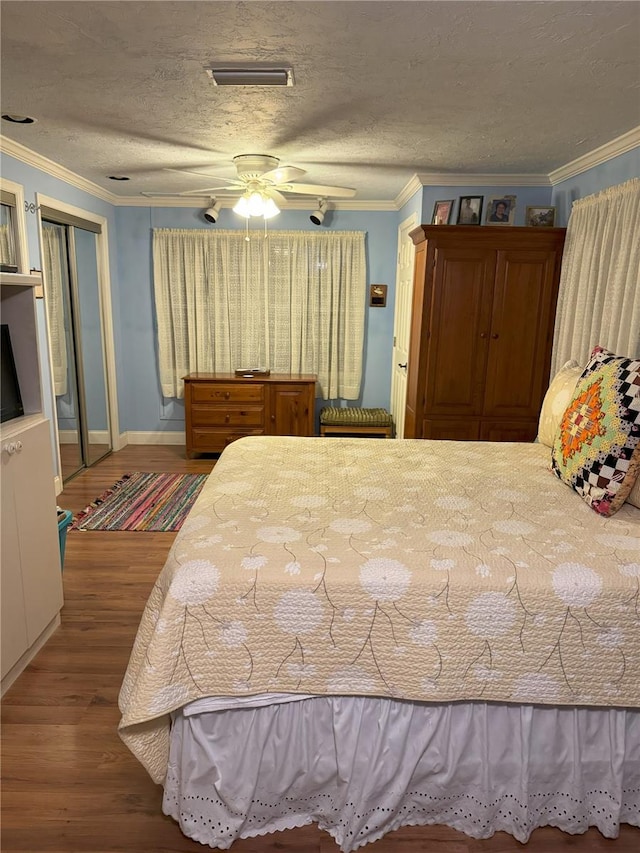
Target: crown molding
408, 191
483, 180
627, 142
292, 204
26, 155
435, 179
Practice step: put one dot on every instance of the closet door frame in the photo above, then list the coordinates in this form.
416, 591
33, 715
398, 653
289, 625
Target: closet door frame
104, 285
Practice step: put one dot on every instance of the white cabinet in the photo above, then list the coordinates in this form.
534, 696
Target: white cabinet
31, 579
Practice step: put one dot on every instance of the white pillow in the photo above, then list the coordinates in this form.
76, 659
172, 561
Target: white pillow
556, 400
634, 495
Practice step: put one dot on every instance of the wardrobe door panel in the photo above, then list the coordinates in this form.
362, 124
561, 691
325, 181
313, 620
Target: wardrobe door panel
522, 318
458, 331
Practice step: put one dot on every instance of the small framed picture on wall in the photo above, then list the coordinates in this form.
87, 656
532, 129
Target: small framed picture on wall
501, 210
541, 217
442, 212
470, 210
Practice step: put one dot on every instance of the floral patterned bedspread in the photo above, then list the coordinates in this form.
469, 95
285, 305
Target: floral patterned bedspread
427, 570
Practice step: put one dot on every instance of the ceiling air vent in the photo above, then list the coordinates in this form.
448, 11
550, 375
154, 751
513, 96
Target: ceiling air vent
250, 75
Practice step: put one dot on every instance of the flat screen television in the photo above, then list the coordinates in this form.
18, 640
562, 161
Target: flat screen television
11, 405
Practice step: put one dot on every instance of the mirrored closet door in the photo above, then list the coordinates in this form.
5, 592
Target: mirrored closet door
77, 340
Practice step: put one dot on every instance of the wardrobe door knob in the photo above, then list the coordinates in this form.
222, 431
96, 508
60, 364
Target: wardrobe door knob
495, 336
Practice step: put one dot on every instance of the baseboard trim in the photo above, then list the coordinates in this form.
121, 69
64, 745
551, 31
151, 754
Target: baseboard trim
139, 437
23, 662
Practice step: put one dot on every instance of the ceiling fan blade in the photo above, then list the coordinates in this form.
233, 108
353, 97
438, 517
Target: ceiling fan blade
206, 191
318, 190
277, 196
283, 174
205, 175
149, 194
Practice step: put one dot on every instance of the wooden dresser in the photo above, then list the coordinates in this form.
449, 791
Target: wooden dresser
221, 407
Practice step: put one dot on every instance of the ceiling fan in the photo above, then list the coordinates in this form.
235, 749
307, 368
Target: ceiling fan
261, 184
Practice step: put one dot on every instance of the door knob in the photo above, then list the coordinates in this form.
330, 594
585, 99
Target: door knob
404, 366
483, 334
495, 336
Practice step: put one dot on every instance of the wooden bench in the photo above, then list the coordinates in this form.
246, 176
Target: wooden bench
354, 421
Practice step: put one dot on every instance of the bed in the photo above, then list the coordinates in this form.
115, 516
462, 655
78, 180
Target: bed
367, 634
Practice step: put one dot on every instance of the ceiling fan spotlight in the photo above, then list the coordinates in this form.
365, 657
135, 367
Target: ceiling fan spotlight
211, 213
317, 217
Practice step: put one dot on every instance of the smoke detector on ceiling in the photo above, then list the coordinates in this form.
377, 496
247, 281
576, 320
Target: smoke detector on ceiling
255, 74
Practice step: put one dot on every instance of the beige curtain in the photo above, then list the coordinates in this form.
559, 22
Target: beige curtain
599, 298
53, 262
293, 302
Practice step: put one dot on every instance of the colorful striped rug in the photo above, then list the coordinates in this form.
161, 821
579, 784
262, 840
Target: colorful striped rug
149, 502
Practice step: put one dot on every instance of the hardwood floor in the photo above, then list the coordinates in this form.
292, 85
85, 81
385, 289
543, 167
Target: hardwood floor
69, 783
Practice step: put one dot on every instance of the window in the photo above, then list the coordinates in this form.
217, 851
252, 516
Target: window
293, 302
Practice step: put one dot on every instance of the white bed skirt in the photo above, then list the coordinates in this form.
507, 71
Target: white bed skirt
360, 767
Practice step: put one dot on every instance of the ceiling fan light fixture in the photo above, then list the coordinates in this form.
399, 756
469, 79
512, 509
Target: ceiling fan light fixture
225, 74
256, 203
241, 207
271, 209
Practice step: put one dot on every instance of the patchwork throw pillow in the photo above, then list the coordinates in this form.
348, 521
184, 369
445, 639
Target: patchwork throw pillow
597, 447
556, 400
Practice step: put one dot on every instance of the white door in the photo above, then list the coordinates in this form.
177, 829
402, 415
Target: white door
402, 323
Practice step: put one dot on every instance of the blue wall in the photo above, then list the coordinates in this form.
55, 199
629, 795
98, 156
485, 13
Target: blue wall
141, 406
609, 174
144, 407
525, 196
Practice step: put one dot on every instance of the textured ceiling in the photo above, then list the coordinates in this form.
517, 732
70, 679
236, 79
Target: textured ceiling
384, 90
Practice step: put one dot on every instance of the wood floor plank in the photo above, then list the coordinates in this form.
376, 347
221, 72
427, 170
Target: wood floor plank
69, 783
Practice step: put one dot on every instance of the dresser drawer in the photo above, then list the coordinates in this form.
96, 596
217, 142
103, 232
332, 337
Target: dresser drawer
227, 415
221, 408
215, 440
219, 392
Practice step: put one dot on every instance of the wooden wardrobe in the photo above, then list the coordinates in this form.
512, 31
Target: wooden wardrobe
484, 303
